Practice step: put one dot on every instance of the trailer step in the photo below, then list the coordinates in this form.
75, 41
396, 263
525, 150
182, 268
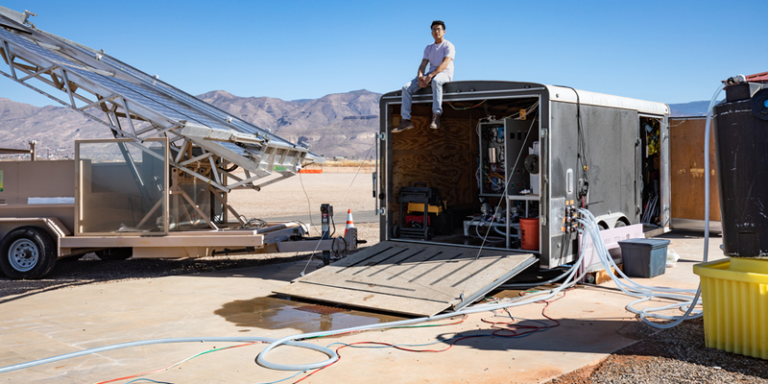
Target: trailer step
410, 278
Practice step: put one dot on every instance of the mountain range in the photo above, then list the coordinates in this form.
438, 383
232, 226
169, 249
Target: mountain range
340, 124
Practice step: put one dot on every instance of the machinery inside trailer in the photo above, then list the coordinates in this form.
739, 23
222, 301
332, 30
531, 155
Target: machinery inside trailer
485, 168
482, 153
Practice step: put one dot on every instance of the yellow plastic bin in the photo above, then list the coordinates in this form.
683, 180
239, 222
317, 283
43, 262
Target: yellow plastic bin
735, 299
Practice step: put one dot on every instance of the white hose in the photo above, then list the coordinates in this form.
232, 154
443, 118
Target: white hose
331, 353
294, 340
589, 223
475, 309
648, 293
637, 290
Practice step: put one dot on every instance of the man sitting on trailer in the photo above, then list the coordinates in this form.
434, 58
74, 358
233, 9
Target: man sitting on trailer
440, 56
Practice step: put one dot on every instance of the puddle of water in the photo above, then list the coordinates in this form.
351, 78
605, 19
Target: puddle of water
274, 313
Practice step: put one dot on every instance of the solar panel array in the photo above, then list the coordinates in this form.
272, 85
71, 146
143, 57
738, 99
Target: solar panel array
134, 85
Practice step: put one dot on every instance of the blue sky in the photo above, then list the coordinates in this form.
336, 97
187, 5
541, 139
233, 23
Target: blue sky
667, 51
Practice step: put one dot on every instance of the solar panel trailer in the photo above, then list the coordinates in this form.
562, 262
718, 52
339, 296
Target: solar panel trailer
138, 106
180, 155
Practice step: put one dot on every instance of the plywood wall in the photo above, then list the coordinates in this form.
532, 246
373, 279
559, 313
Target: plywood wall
445, 158
687, 169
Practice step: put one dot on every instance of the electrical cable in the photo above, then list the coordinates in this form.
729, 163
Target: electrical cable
230, 169
490, 239
590, 227
150, 380
454, 339
261, 358
506, 184
466, 108
176, 364
343, 199
293, 340
581, 155
330, 353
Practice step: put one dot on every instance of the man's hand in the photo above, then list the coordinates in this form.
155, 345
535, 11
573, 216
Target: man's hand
424, 81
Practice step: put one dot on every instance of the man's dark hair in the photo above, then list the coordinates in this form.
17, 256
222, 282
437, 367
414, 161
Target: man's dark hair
437, 22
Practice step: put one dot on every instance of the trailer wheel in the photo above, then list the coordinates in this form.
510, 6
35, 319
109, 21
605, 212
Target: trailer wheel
27, 253
114, 254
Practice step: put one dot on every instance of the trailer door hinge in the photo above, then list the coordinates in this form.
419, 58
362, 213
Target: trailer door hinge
382, 136
380, 211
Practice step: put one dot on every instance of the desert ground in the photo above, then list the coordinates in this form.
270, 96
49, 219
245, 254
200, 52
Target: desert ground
673, 356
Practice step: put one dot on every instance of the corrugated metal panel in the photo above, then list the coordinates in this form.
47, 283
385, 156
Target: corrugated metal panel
567, 95
758, 78
410, 278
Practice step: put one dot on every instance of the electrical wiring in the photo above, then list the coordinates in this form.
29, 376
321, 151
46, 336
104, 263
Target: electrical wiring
506, 184
511, 327
466, 108
455, 339
179, 363
343, 199
402, 347
309, 204
150, 380
489, 239
330, 353
262, 360
294, 340
581, 154
647, 293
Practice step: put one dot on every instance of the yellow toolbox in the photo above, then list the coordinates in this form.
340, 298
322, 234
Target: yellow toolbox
735, 298
419, 207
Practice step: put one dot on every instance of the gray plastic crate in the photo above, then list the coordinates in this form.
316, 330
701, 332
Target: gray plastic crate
644, 257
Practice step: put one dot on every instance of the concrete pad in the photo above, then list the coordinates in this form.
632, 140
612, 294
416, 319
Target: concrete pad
593, 324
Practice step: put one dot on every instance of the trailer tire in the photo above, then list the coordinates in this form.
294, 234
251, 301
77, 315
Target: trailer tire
27, 253
111, 254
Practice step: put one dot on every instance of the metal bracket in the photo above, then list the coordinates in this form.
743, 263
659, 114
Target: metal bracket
381, 136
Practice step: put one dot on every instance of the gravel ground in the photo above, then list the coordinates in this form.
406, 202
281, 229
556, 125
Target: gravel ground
676, 355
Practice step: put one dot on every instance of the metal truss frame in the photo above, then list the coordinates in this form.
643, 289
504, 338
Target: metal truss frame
191, 142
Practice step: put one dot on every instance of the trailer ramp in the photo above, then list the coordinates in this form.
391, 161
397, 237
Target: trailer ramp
410, 278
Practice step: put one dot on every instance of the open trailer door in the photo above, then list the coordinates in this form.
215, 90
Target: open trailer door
410, 278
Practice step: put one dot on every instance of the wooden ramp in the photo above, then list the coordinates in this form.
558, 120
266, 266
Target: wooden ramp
410, 278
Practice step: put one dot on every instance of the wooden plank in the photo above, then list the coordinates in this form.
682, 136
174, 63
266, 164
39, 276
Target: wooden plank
410, 278
687, 170
601, 276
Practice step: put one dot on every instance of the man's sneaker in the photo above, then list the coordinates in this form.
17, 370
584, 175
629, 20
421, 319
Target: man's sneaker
435, 124
404, 126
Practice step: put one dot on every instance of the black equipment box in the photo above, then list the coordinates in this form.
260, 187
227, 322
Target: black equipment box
433, 218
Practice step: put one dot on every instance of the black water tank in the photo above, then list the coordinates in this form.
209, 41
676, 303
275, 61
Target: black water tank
741, 141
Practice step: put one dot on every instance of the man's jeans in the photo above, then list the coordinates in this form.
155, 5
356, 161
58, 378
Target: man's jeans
437, 95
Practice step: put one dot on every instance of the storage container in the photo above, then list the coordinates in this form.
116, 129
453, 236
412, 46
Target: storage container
735, 298
644, 257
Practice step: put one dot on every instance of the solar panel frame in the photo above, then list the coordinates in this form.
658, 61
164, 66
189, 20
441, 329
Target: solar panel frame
147, 91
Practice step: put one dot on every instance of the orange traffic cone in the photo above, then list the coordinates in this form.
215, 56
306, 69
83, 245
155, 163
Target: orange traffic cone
350, 222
